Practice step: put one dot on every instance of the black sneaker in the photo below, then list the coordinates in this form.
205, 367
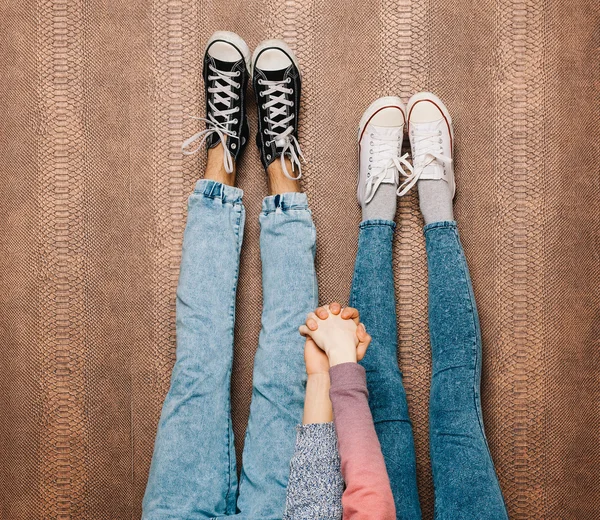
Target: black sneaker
225, 75
277, 85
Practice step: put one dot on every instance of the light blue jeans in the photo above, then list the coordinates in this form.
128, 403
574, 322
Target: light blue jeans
466, 486
193, 471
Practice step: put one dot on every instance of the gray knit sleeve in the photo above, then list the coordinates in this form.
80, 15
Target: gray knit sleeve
316, 485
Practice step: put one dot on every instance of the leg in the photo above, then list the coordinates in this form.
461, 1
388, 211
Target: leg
287, 243
381, 132
373, 295
464, 478
193, 472
466, 486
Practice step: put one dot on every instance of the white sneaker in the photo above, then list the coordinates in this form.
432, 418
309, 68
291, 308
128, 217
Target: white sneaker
380, 136
431, 140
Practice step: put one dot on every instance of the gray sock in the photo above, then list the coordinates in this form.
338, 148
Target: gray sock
435, 200
383, 205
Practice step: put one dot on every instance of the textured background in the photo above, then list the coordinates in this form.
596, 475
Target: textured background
93, 97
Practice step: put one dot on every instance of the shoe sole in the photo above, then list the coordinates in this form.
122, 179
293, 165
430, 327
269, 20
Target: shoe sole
430, 96
274, 44
236, 41
376, 106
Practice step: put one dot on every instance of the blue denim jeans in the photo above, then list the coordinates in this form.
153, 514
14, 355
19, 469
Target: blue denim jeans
193, 472
465, 482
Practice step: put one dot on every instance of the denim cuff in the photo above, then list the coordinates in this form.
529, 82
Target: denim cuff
443, 224
216, 190
285, 201
377, 222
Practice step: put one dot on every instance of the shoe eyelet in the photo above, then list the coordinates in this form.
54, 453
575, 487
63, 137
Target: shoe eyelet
370, 159
369, 166
264, 106
371, 143
440, 141
288, 80
238, 85
233, 146
371, 136
235, 121
265, 131
261, 93
267, 143
268, 157
260, 82
265, 119
237, 74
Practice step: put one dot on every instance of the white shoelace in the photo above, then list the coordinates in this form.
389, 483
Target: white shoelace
385, 162
427, 149
222, 94
284, 139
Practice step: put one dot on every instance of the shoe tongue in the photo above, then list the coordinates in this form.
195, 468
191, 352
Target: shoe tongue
274, 75
428, 126
226, 66
277, 75
434, 170
387, 131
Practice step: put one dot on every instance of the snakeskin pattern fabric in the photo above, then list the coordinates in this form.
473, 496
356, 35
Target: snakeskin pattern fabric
94, 99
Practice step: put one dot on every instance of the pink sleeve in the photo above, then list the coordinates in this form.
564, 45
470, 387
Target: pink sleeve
368, 493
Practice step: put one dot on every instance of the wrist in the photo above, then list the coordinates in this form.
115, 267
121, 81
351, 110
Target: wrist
337, 357
318, 378
317, 405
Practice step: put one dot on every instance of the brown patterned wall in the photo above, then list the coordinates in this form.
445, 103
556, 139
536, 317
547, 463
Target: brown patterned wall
93, 103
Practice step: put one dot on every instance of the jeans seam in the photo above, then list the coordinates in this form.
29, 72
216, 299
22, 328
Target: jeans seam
377, 223
478, 357
232, 319
464, 269
315, 289
444, 224
233, 203
216, 190
287, 210
353, 290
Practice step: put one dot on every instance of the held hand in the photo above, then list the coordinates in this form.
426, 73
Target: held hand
343, 340
315, 359
347, 313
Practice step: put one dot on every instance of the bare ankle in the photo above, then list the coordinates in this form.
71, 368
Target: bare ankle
278, 181
215, 168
